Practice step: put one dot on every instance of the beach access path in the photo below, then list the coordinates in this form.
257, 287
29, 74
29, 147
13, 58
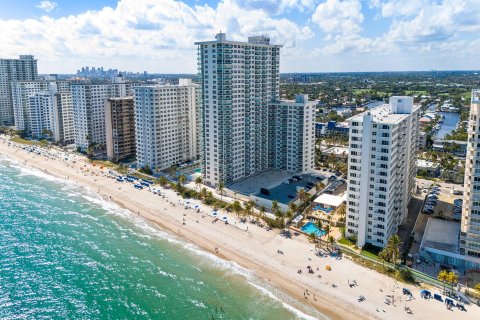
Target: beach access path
255, 249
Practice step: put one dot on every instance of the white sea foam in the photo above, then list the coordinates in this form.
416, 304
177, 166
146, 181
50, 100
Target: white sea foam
299, 314
197, 303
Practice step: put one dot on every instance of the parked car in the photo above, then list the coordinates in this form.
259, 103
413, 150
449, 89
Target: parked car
427, 211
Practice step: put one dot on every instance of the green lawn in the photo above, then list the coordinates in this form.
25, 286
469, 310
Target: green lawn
346, 242
415, 92
42, 143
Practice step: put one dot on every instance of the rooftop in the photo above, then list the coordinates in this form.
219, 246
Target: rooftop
336, 150
331, 200
427, 164
392, 113
259, 41
441, 235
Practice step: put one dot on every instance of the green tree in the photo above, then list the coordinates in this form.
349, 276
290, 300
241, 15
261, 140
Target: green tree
443, 276
162, 181
221, 188
237, 207
393, 246
383, 255
182, 179
293, 207
331, 239
477, 287
319, 186
275, 207
302, 195
198, 181
452, 279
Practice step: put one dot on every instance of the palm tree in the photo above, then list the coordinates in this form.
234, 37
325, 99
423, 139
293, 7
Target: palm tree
393, 246
383, 255
477, 287
327, 230
331, 239
198, 181
172, 171
275, 207
221, 187
452, 279
319, 186
162, 181
302, 195
443, 276
293, 207
182, 179
312, 238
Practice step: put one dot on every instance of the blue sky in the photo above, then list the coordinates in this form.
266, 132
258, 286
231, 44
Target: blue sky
317, 35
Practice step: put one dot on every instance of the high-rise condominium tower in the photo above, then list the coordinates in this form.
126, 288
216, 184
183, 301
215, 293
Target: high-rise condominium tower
470, 224
165, 124
23, 69
120, 128
381, 168
27, 110
88, 101
238, 82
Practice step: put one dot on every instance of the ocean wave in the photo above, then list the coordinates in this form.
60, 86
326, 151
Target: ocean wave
219, 263
150, 229
299, 314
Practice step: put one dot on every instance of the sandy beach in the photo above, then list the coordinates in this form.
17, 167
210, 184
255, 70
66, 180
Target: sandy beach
253, 247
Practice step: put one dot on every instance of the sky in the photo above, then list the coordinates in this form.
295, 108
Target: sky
317, 35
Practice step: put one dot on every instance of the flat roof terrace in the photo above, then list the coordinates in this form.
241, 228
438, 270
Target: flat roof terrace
441, 235
286, 193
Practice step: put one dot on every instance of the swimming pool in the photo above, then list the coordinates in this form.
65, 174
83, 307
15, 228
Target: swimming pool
310, 228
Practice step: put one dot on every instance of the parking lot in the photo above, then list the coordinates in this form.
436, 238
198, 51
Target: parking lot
442, 209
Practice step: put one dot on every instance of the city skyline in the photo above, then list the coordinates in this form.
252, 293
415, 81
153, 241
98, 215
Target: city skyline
331, 35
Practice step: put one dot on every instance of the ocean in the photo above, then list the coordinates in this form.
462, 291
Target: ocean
67, 254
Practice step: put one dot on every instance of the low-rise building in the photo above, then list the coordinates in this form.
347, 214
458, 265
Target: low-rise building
427, 168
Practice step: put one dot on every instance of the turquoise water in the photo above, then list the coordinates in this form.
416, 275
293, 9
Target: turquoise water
67, 254
310, 228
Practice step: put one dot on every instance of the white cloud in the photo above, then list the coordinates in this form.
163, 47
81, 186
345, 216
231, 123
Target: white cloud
47, 5
394, 8
155, 32
339, 17
276, 6
437, 23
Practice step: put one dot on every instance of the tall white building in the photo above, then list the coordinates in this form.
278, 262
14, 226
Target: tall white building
41, 118
21, 93
88, 101
470, 223
292, 134
238, 82
22, 69
165, 124
64, 130
381, 168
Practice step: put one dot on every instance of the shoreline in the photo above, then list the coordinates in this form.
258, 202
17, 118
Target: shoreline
253, 250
